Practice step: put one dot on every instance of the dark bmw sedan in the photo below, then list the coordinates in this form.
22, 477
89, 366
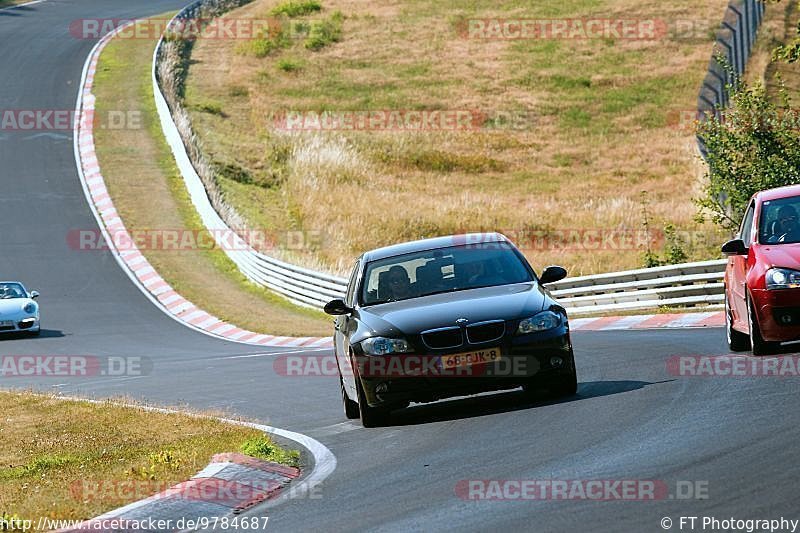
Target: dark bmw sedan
446, 317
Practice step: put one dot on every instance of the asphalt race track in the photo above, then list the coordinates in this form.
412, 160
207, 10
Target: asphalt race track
631, 420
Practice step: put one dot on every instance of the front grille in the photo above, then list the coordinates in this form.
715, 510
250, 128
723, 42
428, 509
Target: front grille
786, 316
7, 328
443, 338
486, 331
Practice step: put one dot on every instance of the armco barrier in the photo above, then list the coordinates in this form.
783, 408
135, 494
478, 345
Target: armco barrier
300, 285
734, 41
685, 285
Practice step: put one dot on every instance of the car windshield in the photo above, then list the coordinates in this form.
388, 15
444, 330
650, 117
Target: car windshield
442, 270
779, 221
12, 290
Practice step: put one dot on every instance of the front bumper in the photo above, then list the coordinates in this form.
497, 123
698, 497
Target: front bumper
19, 324
525, 359
778, 313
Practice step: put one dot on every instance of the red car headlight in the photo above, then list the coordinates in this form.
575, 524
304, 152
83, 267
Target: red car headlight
783, 278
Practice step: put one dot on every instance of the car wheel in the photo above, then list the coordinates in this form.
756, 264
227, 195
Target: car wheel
757, 342
350, 407
737, 341
567, 386
371, 417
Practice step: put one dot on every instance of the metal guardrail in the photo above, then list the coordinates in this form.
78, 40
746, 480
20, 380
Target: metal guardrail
734, 41
299, 285
684, 285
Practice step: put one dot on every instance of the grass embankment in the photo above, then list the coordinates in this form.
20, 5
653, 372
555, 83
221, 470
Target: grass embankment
778, 28
597, 125
57, 457
9, 3
149, 194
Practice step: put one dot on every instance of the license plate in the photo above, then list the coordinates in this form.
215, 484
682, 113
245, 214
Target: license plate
478, 357
6, 323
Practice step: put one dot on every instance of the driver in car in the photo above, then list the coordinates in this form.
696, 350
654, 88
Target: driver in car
399, 283
786, 228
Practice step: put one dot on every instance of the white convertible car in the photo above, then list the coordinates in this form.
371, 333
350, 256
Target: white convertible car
18, 311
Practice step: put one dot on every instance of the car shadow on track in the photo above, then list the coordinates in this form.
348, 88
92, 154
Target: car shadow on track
503, 402
44, 334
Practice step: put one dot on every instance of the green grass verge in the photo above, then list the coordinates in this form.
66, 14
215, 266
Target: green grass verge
72, 459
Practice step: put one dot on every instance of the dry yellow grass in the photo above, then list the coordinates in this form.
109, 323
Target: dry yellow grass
54, 452
600, 132
149, 194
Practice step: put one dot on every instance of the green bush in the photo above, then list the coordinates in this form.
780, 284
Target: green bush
263, 447
212, 108
324, 32
296, 9
289, 65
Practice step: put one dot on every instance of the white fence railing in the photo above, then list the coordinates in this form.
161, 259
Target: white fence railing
685, 285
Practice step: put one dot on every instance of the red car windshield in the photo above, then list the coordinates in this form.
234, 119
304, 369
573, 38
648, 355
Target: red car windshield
779, 221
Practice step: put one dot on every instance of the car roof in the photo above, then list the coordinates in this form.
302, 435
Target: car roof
9, 281
433, 244
778, 193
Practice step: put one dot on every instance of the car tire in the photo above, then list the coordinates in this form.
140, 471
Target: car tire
350, 407
557, 388
568, 386
371, 417
737, 341
757, 343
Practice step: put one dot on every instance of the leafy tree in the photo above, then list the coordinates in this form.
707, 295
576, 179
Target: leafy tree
752, 145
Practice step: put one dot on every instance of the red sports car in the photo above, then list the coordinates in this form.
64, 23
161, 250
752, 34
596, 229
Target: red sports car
762, 279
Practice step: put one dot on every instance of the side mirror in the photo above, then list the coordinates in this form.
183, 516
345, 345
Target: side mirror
552, 274
34, 294
337, 307
734, 247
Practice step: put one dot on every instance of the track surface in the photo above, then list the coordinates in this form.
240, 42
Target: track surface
630, 420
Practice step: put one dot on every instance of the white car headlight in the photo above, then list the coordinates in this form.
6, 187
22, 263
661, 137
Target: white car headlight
384, 346
783, 278
540, 322
29, 308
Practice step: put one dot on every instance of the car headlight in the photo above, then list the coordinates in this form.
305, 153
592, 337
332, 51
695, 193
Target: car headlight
29, 308
783, 278
384, 346
540, 322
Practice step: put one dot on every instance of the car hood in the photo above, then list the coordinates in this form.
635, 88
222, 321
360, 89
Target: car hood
13, 306
506, 302
781, 255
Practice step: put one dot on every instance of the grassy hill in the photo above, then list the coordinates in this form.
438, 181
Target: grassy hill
565, 131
